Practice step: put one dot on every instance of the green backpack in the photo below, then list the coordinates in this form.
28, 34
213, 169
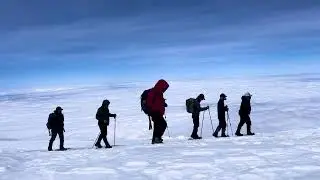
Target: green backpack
190, 105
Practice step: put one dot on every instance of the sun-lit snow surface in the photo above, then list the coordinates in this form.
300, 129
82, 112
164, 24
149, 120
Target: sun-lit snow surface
285, 117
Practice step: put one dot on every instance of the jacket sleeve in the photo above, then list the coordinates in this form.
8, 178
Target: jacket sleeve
112, 115
198, 108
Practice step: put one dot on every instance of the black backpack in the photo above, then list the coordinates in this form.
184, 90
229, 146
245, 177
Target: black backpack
190, 105
143, 102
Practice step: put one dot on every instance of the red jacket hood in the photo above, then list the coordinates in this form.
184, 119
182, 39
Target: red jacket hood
161, 85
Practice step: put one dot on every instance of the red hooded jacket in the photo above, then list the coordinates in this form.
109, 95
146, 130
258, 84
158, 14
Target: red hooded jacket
155, 100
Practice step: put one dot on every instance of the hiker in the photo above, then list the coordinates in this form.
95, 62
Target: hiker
55, 126
221, 116
156, 109
103, 116
196, 109
244, 113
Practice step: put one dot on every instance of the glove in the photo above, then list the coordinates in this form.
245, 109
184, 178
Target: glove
64, 130
165, 105
207, 107
227, 108
115, 116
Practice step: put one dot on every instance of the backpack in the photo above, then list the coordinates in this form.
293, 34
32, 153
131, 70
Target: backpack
190, 105
143, 101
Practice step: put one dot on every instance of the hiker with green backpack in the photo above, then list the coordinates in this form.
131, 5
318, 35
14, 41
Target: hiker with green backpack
193, 106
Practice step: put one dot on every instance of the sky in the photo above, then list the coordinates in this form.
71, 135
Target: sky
86, 42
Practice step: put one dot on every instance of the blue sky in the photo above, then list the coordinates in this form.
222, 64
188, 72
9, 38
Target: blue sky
83, 41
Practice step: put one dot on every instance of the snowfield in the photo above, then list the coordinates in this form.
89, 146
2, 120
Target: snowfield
285, 119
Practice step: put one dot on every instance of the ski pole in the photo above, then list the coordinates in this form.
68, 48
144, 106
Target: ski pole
96, 140
114, 131
202, 123
211, 120
229, 122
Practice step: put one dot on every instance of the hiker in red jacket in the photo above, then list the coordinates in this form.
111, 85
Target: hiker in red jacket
156, 103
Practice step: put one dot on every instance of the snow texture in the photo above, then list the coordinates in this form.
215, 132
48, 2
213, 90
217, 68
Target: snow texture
285, 117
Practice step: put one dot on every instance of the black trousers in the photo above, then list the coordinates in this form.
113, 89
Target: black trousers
196, 123
103, 134
244, 120
53, 137
160, 126
222, 126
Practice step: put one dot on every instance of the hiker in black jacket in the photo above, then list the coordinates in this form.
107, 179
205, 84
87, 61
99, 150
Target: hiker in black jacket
103, 116
244, 113
195, 116
55, 126
221, 116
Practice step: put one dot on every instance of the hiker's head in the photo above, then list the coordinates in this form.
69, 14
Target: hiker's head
58, 110
161, 85
106, 103
223, 96
201, 97
247, 96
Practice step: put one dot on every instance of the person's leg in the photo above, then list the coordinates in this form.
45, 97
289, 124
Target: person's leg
163, 127
196, 123
104, 132
53, 137
241, 123
61, 137
248, 122
223, 126
98, 143
156, 127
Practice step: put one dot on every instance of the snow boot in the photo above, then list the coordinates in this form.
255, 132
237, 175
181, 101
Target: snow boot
238, 134
49, 148
215, 135
98, 146
62, 149
157, 141
250, 134
108, 146
223, 135
196, 137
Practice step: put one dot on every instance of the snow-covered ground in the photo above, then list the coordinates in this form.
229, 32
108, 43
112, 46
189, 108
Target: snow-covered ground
285, 117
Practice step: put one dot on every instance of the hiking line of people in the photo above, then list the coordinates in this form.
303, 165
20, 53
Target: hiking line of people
153, 104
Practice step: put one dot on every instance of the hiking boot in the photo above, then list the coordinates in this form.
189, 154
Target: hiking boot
238, 134
157, 141
250, 133
108, 146
49, 148
196, 137
98, 145
215, 135
62, 149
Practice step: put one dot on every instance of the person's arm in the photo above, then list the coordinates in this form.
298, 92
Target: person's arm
112, 115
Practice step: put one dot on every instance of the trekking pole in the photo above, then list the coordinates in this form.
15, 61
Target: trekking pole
168, 131
229, 122
165, 117
202, 123
96, 140
211, 120
114, 131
